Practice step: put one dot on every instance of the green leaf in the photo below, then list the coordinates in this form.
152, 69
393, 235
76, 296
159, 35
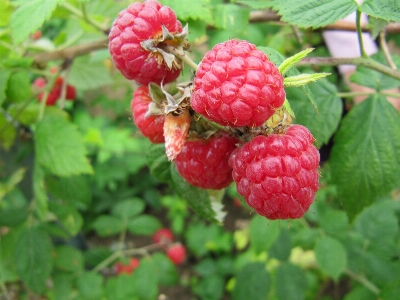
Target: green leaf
59, 147
87, 75
197, 10
231, 17
19, 87
5, 14
335, 222
70, 218
197, 198
68, 258
107, 225
252, 282
256, 4
303, 79
158, 162
4, 78
74, 190
360, 292
24, 114
323, 123
263, 233
314, 13
331, 256
27, 18
12, 216
166, 270
210, 287
390, 291
8, 133
120, 288
32, 257
388, 10
144, 225
377, 223
291, 61
62, 285
292, 282
145, 279
283, 245
366, 153
95, 255
374, 79
90, 285
128, 208
39, 191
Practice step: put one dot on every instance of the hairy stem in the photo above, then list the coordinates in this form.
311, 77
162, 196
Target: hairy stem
182, 55
358, 61
359, 34
364, 281
385, 49
83, 15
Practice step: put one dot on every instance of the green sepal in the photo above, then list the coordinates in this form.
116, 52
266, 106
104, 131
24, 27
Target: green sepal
291, 61
303, 79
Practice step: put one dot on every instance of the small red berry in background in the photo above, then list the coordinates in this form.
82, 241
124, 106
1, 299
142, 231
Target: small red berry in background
204, 163
237, 202
176, 253
278, 174
163, 236
138, 23
36, 35
127, 268
55, 92
237, 85
151, 127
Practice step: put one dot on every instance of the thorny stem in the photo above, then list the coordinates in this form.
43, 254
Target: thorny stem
364, 281
359, 34
184, 57
357, 61
385, 49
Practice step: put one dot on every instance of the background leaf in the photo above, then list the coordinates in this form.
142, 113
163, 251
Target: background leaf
252, 282
388, 10
314, 13
263, 233
331, 256
200, 9
29, 17
144, 225
324, 122
197, 198
32, 258
107, 225
59, 147
292, 282
68, 258
366, 153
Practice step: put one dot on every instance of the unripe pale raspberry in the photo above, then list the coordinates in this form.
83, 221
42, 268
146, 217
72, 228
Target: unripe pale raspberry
151, 126
237, 85
278, 174
204, 163
140, 22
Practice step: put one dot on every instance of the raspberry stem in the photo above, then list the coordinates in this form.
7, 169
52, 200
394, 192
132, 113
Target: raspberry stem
183, 56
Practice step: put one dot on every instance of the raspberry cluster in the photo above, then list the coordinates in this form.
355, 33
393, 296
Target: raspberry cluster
228, 124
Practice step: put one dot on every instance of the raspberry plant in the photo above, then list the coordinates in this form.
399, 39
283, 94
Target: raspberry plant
195, 131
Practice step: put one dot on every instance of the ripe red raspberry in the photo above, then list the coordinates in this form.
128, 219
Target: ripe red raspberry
137, 23
176, 253
278, 174
204, 163
151, 127
237, 85
70, 93
163, 236
127, 268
